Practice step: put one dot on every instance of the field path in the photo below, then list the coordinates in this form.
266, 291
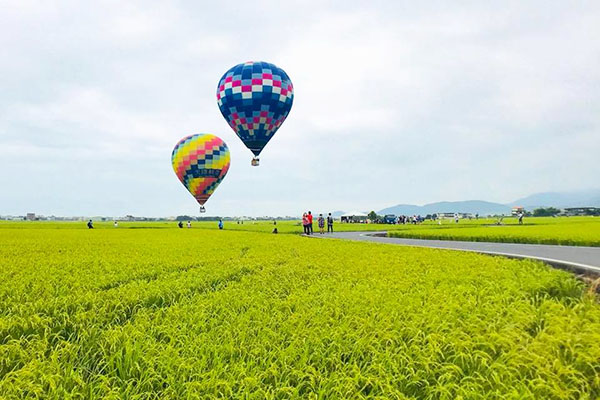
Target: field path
578, 258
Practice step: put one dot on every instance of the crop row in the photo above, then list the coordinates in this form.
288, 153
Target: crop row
573, 234
169, 313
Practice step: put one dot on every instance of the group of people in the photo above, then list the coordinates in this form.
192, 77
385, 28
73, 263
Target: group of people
189, 224
407, 219
180, 224
307, 223
90, 224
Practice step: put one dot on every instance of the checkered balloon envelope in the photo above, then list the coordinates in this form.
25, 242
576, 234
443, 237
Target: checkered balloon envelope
255, 98
201, 162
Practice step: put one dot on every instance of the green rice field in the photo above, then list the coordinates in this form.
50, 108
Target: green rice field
582, 231
574, 231
149, 311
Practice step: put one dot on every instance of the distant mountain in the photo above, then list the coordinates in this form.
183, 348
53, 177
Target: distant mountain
337, 213
584, 198
469, 206
587, 198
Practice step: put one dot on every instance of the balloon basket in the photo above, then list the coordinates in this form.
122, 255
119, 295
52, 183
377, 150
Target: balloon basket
255, 162
202, 209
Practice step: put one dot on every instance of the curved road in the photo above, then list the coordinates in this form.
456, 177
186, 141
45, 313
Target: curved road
580, 259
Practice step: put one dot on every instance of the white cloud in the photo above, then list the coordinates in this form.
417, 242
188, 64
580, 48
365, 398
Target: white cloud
395, 103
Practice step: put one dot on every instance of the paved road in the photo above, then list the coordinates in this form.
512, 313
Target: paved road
578, 258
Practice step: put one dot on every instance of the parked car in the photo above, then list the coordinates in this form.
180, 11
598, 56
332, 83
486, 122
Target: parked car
389, 219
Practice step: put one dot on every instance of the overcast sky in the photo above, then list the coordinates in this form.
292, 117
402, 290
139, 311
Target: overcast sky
395, 102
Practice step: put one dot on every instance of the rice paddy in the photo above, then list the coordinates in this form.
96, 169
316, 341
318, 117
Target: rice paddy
167, 313
572, 231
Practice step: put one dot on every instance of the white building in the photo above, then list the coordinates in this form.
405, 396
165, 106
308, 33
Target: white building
354, 216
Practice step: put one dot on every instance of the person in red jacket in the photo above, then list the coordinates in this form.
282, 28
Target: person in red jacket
310, 225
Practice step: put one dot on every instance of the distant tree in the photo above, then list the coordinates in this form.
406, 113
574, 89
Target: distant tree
373, 216
213, 218
184, 218
545, 212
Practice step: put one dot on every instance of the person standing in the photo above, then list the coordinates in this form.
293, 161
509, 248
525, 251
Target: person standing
189, 224
305, 224
321, 222
116, 224
90, 225
310, 223
220, 224
456, 217
329, 223
521, 218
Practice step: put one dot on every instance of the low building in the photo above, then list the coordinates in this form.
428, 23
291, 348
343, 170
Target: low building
516, 210
354, 216
445, 215
30, 217
580, 211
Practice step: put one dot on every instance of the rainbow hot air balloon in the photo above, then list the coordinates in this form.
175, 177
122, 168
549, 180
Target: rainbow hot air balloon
255, 98
201, 162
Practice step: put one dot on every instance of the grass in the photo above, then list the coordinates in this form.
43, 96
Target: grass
574, 231
180, 313
577, 231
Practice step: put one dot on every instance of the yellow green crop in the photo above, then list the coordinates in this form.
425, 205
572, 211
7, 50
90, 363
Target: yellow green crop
578, 231
581, 231
201, 313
